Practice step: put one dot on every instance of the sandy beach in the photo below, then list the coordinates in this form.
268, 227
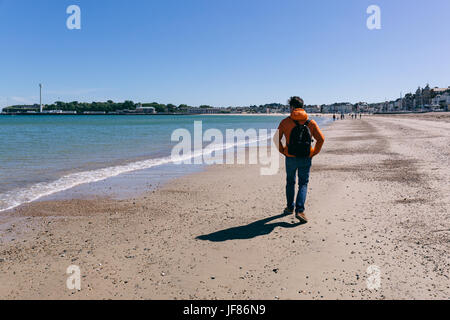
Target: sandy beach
379, 196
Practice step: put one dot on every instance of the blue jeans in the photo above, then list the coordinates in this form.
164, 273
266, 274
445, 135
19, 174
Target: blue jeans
302, 166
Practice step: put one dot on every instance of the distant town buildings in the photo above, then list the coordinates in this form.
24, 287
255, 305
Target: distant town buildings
313, 109
441, 100
426, 99
94, 112
338, 108
206, 110
423, 99
58, 112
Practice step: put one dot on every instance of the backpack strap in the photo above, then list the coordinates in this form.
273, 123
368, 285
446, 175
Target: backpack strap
298, 124
295, 121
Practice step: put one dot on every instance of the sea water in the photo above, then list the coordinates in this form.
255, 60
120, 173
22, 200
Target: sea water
41, 156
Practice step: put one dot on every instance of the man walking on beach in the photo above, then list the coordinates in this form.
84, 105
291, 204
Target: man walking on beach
298, 131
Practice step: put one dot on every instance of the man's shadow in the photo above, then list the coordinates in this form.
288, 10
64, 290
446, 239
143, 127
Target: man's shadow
252, 230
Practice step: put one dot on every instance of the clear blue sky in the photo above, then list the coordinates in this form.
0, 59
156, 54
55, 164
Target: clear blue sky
221, 52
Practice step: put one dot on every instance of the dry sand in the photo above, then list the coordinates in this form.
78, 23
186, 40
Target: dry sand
379, 195
434, 116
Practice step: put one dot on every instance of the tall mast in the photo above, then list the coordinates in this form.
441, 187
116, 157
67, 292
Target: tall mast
40, 97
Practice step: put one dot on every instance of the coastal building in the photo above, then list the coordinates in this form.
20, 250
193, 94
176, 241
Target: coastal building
440, 90
391, 106
58, 112
374, 107
206, 110
52, 111
338, 108
380, 107
310, 109
398, 105
149, 110
362, 107
345, 108
94, 112
441, 101
422, 97
325, 109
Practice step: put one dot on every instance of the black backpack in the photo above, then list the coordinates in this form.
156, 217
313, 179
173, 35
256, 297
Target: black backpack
300, 140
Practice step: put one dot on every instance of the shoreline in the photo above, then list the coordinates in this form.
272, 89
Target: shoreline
88, 180
409, 113
364, 186
170, 114
166, 114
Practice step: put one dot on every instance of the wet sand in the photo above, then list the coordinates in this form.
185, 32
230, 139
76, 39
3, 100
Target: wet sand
379, 195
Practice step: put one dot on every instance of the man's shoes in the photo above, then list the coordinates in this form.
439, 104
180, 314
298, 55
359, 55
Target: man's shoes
288, 211
301, 217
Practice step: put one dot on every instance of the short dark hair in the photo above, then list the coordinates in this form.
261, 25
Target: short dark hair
296, 102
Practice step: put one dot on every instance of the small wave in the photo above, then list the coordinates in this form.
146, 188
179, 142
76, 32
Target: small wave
15, 198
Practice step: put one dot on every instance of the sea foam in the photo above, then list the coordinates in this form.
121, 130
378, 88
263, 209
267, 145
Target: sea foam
14, 198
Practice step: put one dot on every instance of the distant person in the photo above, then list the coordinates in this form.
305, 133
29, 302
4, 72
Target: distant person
334, 117
298, 131
360, 116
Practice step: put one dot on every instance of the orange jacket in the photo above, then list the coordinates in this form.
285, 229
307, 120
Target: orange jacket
288, 124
